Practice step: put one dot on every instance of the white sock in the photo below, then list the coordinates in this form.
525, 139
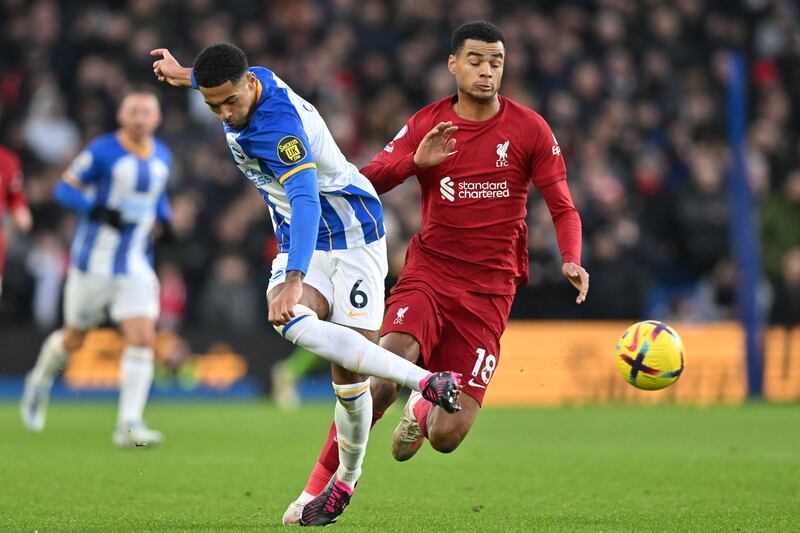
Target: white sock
304, 498
352, 415
349, 349
51, 360
136, 376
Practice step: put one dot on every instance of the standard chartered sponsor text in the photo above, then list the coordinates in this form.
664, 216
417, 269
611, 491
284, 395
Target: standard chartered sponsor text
483, 189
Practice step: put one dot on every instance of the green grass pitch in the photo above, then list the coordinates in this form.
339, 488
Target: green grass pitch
235, 467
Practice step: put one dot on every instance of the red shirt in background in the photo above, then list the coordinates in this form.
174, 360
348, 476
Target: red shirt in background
12, 195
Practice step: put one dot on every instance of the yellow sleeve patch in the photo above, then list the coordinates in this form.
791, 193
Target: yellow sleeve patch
295, 170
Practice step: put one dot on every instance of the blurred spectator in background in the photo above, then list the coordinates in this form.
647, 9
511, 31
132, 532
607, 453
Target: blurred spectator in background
173, 296
780, 218
12, 201
47, 263
786, 310
230, 298
634, 92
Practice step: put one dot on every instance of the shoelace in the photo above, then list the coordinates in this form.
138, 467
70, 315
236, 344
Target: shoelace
336, 497
412, 433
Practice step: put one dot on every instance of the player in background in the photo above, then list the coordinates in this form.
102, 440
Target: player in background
326, 291
116, 186
475, 155
12, 200
287, 373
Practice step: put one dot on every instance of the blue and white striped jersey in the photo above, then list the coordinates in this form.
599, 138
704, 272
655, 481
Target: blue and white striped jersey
286, 135
114, 177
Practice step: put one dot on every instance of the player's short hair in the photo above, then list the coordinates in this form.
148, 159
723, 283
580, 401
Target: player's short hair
141, 88
479, 30
219, 63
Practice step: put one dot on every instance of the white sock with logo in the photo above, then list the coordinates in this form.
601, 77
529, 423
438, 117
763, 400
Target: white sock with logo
348, 349
51, 360
136, 376
352, 416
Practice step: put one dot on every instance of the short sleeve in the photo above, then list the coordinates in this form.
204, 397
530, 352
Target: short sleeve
547, 161
284, 149
85, 168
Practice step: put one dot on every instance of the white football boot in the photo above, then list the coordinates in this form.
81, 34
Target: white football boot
407, 437
33, 405
136, 435
295, 510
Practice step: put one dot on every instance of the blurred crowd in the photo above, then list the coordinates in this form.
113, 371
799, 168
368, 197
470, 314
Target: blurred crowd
633, 89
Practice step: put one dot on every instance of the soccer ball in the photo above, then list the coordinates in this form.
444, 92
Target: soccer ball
650, 355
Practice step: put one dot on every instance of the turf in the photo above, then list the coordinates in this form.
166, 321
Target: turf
235, 467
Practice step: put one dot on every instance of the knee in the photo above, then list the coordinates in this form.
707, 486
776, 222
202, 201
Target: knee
384, 393
447, 438
445, 443
141, 339
73, 339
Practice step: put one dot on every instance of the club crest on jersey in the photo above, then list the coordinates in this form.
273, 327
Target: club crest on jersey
502, 154
291, 150
401, 314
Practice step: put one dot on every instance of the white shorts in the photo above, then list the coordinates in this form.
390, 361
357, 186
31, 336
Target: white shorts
87, 296
351, 280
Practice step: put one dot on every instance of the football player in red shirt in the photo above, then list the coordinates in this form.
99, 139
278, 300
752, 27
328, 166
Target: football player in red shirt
475, 155
12, 198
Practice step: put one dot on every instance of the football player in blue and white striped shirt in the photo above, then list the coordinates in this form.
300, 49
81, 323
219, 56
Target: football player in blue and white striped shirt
116, 186
326, 292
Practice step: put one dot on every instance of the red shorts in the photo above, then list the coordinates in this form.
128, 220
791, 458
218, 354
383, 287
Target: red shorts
456, 329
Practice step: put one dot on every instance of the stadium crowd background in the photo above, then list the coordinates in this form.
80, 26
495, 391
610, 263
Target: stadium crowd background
634, 91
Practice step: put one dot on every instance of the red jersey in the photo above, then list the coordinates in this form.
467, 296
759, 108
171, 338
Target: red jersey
474, 203
12, 195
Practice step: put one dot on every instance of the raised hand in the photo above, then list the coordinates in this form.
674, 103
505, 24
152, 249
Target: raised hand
436, 146
167, 69
579, 278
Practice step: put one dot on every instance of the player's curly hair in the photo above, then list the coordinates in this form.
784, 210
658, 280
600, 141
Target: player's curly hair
219, 63
479, 30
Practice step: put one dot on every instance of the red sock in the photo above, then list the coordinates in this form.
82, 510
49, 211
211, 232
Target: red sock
325, 466
328, 461
421, 410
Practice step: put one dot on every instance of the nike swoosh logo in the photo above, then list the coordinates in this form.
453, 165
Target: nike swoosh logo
635, 344
473, 384
351, 314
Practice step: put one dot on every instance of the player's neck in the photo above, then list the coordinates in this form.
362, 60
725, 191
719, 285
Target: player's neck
254, 104
469, 108
141, 147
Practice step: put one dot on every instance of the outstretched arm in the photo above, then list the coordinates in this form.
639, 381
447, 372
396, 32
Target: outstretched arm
167, 69
568, 234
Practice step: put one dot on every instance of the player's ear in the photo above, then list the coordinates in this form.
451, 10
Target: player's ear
451, 64
251, 79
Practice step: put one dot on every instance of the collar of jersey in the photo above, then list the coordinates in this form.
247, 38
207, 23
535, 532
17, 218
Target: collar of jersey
478, 123
142, 152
